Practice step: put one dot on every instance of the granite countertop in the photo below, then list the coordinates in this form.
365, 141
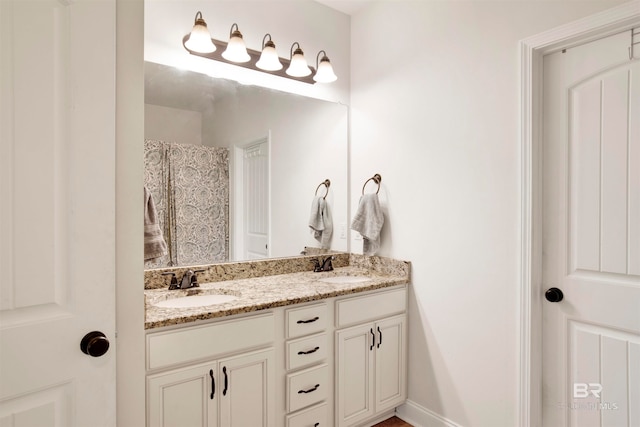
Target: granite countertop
260, 293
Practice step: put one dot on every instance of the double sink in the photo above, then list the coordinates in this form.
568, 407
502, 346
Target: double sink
208, 297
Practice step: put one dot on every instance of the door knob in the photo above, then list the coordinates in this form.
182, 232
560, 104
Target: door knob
554, 295
95, 344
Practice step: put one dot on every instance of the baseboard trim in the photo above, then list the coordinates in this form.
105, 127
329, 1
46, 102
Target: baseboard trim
419, 416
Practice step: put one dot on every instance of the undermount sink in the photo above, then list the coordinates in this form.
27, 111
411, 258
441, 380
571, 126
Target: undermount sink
344, 279
201, 300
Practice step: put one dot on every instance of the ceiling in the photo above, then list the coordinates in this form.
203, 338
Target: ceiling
350, 7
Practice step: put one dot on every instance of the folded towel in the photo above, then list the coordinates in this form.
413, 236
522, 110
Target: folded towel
320, 222
368, 222
154, 244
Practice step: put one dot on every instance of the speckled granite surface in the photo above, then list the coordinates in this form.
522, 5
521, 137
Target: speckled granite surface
153, 279
259, 287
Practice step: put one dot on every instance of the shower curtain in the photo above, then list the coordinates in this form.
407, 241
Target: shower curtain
190, 185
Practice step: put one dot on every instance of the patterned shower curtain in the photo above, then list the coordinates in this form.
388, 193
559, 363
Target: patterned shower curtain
190, 186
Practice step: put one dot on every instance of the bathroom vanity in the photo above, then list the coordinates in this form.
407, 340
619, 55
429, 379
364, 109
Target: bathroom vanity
292, 349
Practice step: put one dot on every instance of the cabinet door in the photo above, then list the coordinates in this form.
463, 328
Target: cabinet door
247, 388
390, 361
354, 370
183, 397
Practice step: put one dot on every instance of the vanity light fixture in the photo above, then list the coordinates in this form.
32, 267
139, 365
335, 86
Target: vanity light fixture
236, 49
298, 66
325, 72
235, 52
199, 40
269, 60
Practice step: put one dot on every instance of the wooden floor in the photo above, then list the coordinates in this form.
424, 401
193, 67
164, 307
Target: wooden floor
393, 422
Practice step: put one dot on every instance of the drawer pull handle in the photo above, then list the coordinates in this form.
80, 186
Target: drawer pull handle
373, 342
314, 388
308, 321
380, 340
316, 424
213, 383
310, 351
226, 381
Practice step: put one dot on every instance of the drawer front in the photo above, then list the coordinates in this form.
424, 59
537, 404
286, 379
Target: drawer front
312, 417
307, 387
351, 311
306, 320
306, 351
207, 341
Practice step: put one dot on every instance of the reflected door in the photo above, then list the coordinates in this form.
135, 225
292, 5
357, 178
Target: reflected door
256, 200
591, 236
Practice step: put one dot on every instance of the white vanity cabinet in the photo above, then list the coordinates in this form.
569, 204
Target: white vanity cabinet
370, 355
336, 362
235, 389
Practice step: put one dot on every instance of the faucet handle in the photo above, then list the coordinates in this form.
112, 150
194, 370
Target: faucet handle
326, 264
316, 265
194, 278
174, 280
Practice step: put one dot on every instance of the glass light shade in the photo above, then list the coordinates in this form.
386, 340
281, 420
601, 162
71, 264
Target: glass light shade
325, 72
298, 66
200, 39
269, 59
236, 50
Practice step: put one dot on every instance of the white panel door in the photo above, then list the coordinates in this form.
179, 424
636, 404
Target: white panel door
591, 235
57, 211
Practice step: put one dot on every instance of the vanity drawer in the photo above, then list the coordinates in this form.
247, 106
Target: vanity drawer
307, 387
306, 320
306, 351
351, 311
312, 417
195, 343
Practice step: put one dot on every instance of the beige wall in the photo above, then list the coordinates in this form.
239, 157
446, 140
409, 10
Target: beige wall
435, 111
172, 125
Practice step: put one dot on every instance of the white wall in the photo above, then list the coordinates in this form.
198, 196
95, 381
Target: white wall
314, 26
435, 111
172, 125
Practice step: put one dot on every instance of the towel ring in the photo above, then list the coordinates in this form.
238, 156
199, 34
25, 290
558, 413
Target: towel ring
375, 178
327, 184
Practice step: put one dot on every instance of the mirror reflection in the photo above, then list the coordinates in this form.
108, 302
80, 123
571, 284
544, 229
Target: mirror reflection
233, 169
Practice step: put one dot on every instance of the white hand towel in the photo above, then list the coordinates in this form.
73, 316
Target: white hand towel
320, 222
368, 221
154, 244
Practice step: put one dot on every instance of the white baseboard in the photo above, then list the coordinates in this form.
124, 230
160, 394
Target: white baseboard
419, 416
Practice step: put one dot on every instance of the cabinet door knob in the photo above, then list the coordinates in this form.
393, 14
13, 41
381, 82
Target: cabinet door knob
95, 344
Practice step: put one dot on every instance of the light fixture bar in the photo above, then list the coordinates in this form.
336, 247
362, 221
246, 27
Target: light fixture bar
251, 64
